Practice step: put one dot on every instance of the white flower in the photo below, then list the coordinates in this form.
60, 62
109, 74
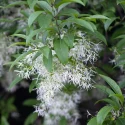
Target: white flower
63, 105
84, 50
49, 84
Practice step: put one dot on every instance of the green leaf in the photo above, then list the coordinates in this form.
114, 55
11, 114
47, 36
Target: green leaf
112, 84
37, 55
100, 71
18, 43
9, 21
48, 61
97, 17
21, 57
121, 44
120, 1
20, 35
69, 39
102, 114
62, 6
61, 50
15, 81
107, 23
32, 3
120, 36
44, 20
83, 23
46, 51
111, 102
25, 13
119, 96
32, 34
123, 5
122, 57
45, 6
107, 91
92, 121
93, 26
69, 12
32, 85
4, 121
31, 119
99, 36
30, 102
15, 3
76, 1
85, 1
120, 121
33, 17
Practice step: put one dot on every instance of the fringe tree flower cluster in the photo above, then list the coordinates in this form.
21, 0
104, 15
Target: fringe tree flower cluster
62, 106
74, 72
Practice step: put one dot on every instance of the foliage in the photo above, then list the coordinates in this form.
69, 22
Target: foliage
114, 112
61, 51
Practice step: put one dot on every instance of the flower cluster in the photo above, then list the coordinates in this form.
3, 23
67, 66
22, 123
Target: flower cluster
63, 105
74, 72
85, 50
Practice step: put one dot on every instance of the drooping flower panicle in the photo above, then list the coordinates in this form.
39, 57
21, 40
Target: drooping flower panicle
74, 72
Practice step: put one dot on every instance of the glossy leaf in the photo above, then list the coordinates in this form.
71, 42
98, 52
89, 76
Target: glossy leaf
69, 39
4, 121
30, 102
119, 96
102, 114
48, 61
15, 3
121, 57
31, 119
15, 81
67, 1
97, 17
46, 51
18, 43
37, 55
111, 102
32, 34
120, 121
20, 35
107, 91
99, 36
107, 23
45, 6
93, 121
32, 85
61, 50
120, 1
83, 23
33, 17
69, 12
121, 44
112, 84
32, 3
44, 20
62, 6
